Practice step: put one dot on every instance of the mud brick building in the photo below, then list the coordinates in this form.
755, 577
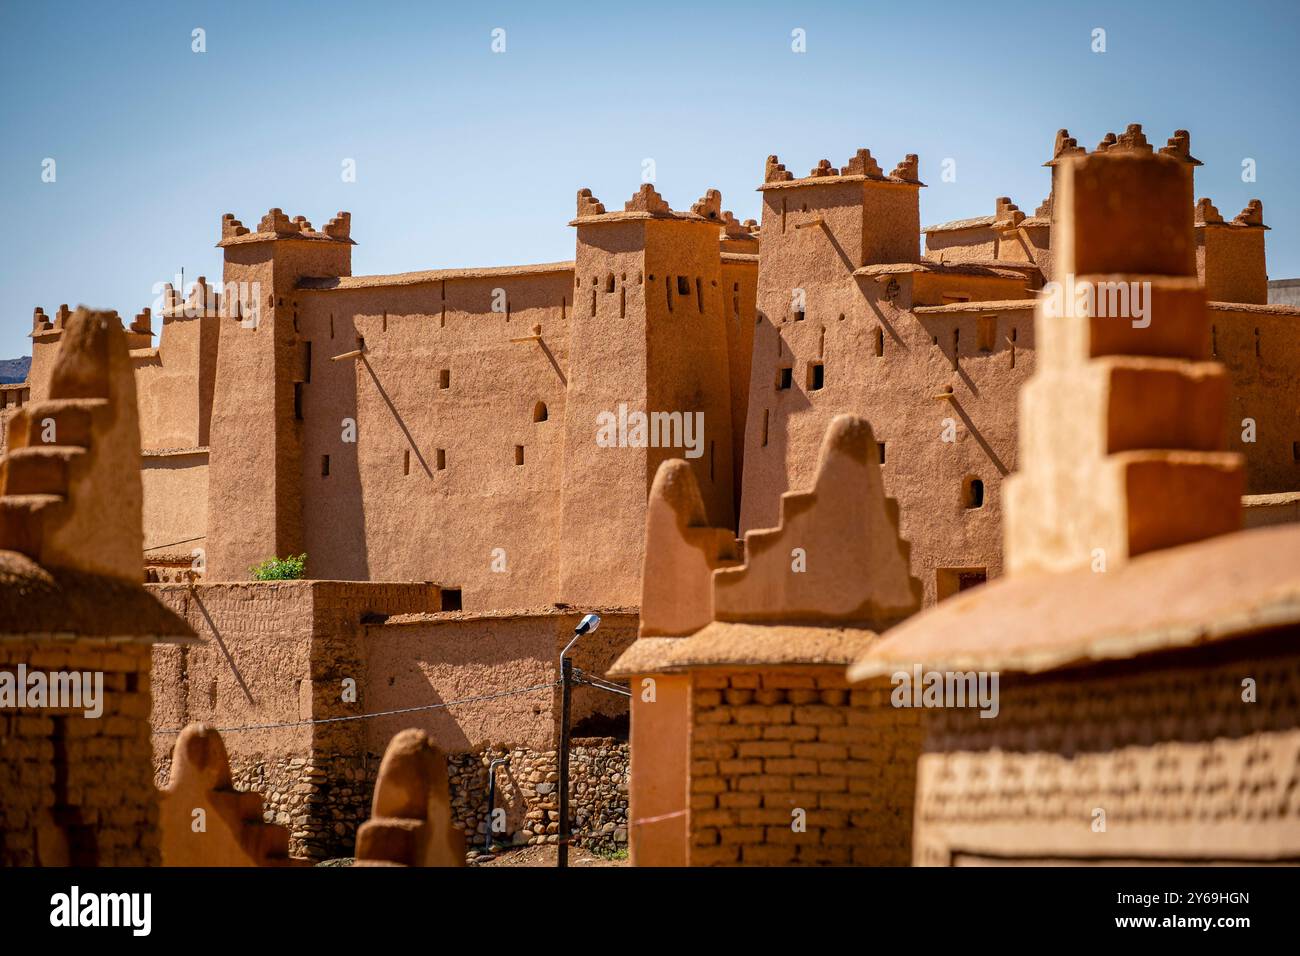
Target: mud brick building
360, 418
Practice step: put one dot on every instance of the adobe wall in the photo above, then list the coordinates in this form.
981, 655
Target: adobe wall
77, 790
175, 503
12, 398
174, 383
739, 297
768, 743
427, 659
658, 728
1258, 346
386, 510
277, 653
899, 390
1213, 783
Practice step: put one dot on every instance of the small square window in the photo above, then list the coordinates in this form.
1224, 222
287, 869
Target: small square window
450, 599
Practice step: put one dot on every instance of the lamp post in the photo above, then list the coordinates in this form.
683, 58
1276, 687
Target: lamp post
588, 624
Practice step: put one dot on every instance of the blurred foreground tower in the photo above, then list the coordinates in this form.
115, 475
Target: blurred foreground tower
76, 624
1146, 650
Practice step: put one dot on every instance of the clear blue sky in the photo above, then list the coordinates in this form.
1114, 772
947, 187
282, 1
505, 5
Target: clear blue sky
466, 157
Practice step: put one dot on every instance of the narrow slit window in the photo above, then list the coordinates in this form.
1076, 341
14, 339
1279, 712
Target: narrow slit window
765, 422
519, 454
668, 291
880, 342
609, 282
442, 459
444, 378
406, 461
324, 466
699, 295
880, 448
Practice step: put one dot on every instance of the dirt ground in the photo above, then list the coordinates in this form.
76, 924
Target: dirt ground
545, 856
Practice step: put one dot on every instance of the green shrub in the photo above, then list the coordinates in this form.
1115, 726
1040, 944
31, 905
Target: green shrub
280, 569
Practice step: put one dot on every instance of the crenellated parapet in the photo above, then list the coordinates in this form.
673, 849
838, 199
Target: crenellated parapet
861, 166
647, 199
589, 205
276, 224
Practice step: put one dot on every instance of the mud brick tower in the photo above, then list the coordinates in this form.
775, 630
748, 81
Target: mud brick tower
262, 364
648, 333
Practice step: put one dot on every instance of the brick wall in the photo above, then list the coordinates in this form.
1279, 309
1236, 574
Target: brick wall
767, 743
75, 789
1182, 767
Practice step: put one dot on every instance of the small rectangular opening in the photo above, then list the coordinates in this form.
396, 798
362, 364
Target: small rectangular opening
699, 294
519, 454
450, 599
1295, 450
880, 342
784, 378
442, 458
406, 461
816, 376
950, 581
799, 315
297, 400
765, 419
324, 466
444, 378
683, 285
986, 332
880, 446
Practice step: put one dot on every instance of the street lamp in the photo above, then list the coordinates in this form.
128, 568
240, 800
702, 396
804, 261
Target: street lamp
587, 625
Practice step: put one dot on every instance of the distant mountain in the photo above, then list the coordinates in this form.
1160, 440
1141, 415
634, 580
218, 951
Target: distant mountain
14, 370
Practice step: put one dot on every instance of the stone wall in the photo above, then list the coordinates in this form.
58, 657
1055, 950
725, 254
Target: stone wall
528, 790
765, 744
323, 799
